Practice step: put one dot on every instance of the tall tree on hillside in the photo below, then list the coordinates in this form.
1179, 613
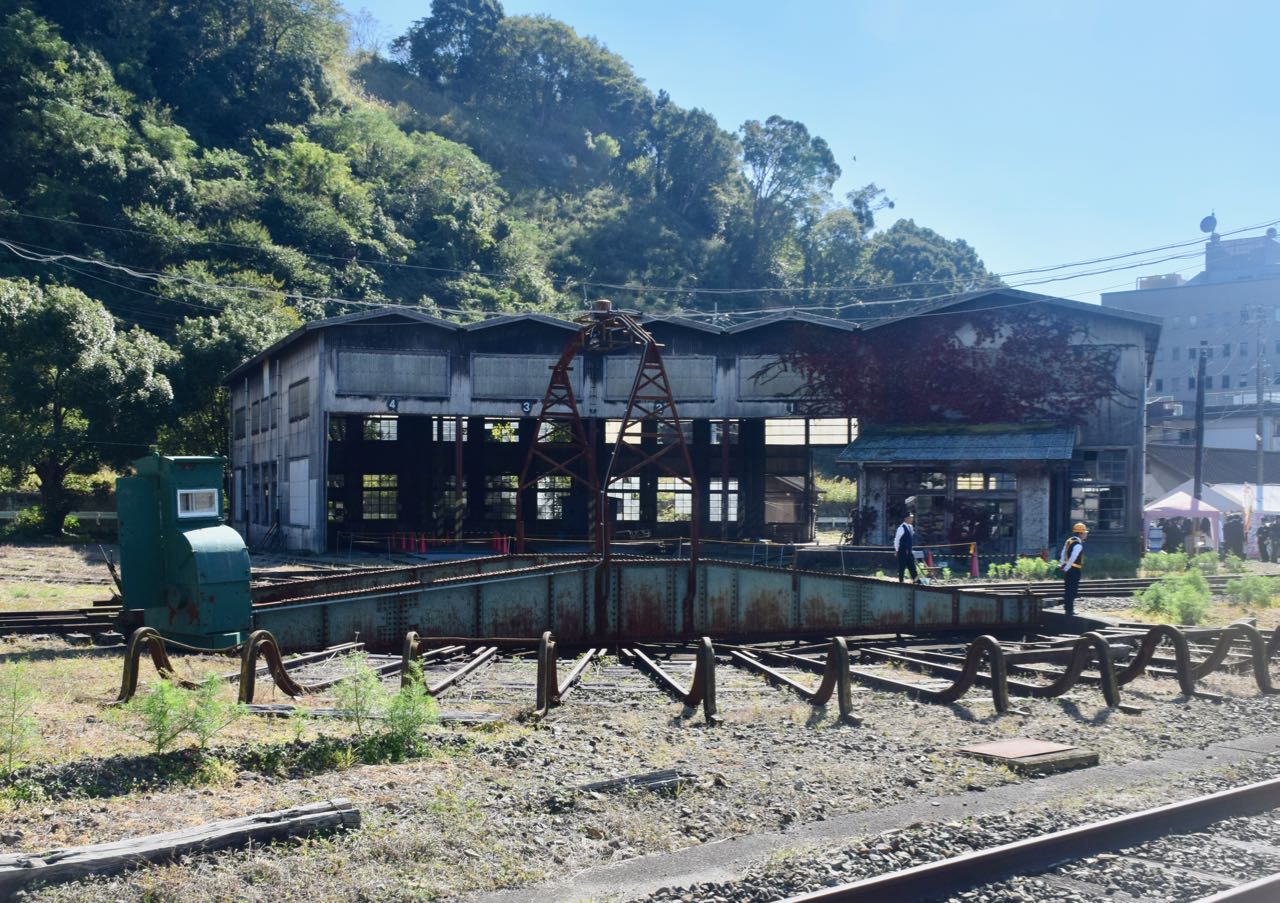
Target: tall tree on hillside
788, 172
914, 262
695, 164
74, 391
447, 47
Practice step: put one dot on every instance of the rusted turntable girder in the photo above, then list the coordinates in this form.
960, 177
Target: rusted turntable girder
567, 448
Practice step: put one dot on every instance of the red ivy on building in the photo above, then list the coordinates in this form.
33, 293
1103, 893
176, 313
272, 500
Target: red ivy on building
1001, 366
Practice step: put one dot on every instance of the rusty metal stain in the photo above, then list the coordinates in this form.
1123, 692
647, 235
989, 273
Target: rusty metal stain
816, 611
644, 612
766, 611
933, 610
977, 610
720, 612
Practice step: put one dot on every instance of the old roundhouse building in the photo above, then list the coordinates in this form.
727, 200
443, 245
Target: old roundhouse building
391, 421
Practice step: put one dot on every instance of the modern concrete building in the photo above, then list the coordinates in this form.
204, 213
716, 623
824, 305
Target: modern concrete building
1233, 307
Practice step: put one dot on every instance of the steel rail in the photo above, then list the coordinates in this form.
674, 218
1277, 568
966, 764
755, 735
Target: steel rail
1264, 890
1036, 854
481, 657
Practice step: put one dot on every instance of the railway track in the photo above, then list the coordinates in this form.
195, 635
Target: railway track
1224, 846
1123, 586
79, 620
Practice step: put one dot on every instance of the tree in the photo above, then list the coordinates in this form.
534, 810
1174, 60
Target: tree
788, 173
695, 164
74, 391
447, 46
919, 263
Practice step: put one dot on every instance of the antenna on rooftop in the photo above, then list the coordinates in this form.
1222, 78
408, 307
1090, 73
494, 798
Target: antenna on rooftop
1209, 223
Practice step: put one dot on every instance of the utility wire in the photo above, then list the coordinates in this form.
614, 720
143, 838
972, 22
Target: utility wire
654, 289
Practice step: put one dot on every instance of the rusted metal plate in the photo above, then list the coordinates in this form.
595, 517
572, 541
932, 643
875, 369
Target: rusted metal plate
525, 595
933, 607
823, 605
888, 605
719, 587
1027, 756
645, 604
765, 601
1017, 748
978, 610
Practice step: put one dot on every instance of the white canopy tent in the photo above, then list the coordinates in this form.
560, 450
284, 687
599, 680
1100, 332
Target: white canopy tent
1181, 503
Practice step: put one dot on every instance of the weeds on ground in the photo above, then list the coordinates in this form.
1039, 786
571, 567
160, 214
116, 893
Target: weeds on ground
1233, 564
1205, 563
1023, 569
167, 711
1181, 597
19, 731
359, 696
1155, 563
1253, 590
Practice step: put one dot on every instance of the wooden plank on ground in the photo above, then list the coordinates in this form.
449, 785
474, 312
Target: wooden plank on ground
20, 869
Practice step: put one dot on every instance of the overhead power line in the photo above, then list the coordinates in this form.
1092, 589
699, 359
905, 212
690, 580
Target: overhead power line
570, 281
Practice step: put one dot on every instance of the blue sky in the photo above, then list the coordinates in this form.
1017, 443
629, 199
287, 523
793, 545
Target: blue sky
1040, 132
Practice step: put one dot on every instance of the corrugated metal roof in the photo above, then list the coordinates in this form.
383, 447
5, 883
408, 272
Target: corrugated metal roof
960, 444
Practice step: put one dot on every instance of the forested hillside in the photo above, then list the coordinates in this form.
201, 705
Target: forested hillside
184, 181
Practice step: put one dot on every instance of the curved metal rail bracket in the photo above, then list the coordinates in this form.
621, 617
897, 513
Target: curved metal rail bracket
703, 689
261, 642
1088, 647
1258, 652
551, 691
1147, 648
156, 644
835, 680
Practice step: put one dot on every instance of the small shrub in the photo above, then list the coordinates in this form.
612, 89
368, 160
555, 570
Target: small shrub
1253, 590
299, 719
1107, 566
210, 714
359, 696
1233, 564
1000, 571
71, 524
158, 717
1205, 563
1164, 562
946, 573
213, 772
1181, 597
18, 729
408, 714
1032, 569
26, 524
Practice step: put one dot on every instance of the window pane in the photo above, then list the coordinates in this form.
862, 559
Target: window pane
379, 496
626, 493
553, 492
500, 496
675, 501
381, 428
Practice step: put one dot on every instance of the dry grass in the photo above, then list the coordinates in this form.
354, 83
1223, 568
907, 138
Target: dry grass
21, 595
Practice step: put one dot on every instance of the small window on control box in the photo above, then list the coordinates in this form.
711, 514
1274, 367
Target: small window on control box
197, 503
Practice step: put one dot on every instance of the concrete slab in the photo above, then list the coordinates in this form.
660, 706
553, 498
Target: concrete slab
1027, 756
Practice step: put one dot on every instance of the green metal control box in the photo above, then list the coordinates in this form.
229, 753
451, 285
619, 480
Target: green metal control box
185, 569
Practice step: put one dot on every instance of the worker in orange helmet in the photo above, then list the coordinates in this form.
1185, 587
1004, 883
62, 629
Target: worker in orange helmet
1072, 564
